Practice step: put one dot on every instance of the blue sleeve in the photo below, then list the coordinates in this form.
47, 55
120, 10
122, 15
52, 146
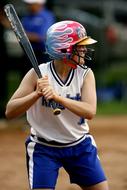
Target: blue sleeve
49, 20
39, 23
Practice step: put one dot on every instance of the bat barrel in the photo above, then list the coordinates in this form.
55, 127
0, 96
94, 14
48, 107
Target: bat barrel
24, 41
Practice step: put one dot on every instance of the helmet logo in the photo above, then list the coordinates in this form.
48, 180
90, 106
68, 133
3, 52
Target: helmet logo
81, 32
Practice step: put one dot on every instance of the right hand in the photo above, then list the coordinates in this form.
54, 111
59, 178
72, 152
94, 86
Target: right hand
45, 89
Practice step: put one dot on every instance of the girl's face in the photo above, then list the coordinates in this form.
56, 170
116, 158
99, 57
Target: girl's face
79, 54
34, 7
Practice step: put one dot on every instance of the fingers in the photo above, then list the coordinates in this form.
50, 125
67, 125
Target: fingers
44, 88
48, 93
42, 83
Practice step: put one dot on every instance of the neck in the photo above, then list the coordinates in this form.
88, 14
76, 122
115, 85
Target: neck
61, 68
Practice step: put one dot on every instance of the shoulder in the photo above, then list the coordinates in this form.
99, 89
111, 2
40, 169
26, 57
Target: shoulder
86, 74
83, 71
44, 67
89, 76
30, 78
47, 12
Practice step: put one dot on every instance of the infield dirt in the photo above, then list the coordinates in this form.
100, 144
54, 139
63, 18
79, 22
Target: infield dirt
110, 134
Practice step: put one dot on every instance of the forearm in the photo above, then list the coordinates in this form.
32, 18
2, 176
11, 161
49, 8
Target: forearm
19, 106
82, 109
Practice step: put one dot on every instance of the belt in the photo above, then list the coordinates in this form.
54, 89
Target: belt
55, 143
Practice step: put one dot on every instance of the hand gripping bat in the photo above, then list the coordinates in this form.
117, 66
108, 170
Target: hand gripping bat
24, 42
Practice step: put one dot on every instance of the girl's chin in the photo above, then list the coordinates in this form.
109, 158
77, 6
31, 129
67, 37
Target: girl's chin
82, 62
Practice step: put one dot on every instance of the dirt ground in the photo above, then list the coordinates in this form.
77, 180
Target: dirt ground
110, 134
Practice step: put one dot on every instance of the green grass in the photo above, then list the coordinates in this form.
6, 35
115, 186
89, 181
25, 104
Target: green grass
112, 108
13, 79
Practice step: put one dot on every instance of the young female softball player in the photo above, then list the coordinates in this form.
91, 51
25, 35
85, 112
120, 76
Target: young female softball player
62, 140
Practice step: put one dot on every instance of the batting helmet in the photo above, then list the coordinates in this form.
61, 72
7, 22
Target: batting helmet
62, 36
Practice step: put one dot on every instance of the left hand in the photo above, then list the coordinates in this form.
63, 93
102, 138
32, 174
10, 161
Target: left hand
46, 88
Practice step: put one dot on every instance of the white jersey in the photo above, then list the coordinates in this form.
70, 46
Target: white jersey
65, 127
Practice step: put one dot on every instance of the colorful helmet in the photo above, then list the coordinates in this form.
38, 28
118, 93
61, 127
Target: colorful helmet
61, 36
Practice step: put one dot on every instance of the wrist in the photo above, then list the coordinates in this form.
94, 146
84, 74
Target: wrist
58, 99
37, 95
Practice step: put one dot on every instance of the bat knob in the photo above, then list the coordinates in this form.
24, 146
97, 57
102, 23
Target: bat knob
56, 111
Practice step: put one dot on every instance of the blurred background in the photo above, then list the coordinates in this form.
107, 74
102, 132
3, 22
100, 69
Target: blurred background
105, 21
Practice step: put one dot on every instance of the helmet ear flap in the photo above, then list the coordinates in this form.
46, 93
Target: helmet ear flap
64, 50
67, 52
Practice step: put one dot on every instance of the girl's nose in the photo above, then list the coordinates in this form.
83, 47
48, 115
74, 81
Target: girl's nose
82, 48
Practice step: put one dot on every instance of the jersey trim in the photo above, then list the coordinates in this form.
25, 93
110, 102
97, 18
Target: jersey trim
86, 71
57, 78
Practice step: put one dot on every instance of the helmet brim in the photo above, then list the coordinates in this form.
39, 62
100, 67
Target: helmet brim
87, 41
35, 1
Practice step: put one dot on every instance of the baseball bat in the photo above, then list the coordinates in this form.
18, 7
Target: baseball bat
23, 40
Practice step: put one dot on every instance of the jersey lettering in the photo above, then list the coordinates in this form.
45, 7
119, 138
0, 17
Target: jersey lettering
54, 105
51, 104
